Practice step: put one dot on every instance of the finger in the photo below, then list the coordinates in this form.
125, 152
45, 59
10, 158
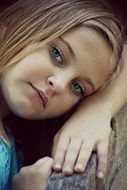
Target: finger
42, 168
47, 167
84, 155
60, 153
41, 172
55, 142
42, 161
71, 156
102, 151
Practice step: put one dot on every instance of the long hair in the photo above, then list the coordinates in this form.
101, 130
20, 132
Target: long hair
39, 21
31, 24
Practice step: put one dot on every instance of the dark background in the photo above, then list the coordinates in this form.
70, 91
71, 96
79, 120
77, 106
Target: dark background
119, 5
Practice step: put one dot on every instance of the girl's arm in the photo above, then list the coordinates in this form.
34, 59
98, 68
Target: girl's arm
89, 128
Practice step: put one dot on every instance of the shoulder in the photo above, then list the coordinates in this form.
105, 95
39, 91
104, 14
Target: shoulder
5, 155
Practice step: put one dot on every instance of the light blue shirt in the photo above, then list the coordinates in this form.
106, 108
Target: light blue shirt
8, 164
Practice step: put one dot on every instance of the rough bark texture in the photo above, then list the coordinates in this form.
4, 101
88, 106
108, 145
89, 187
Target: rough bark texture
116, 177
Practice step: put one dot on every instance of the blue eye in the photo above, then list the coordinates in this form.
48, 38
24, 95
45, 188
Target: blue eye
77, 88
57, 55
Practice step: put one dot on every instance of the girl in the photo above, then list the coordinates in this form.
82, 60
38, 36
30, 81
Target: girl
51, 58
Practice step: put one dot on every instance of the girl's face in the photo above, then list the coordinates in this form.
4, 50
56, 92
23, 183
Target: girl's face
51, 80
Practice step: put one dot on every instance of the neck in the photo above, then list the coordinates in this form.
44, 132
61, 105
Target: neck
4, 110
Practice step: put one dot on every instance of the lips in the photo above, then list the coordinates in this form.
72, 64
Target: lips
41, 94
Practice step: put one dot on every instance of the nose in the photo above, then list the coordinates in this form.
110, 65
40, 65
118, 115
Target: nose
57, 84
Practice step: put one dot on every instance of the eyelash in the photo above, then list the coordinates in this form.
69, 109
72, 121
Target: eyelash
82, 88
61, 64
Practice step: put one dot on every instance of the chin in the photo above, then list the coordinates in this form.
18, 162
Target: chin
25, 114
23, 111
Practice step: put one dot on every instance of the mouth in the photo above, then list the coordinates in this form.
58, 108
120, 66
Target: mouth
41, 94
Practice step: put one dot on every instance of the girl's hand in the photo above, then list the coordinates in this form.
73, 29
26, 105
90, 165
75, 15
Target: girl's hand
75, 141
34, 176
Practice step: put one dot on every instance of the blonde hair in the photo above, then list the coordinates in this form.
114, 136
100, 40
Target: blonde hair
38, 22
32, 23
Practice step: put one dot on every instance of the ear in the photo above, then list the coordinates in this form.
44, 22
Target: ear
3, 30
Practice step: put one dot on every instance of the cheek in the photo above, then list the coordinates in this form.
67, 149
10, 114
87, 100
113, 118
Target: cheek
36, 65
64, 104
33, 70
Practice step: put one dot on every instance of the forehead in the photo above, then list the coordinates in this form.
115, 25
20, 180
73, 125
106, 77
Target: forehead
93, 55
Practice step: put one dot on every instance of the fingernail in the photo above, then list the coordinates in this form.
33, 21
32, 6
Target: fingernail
79, 168
67, 170
57, 166
100, 175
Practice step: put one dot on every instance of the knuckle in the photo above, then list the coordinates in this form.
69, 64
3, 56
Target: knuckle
73, 149
75, 139
61, 149
25, 171
87, 149
55, 138
58, 158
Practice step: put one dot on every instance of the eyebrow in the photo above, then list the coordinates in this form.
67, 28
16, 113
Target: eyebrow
90, 83
68, 45
86, 79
